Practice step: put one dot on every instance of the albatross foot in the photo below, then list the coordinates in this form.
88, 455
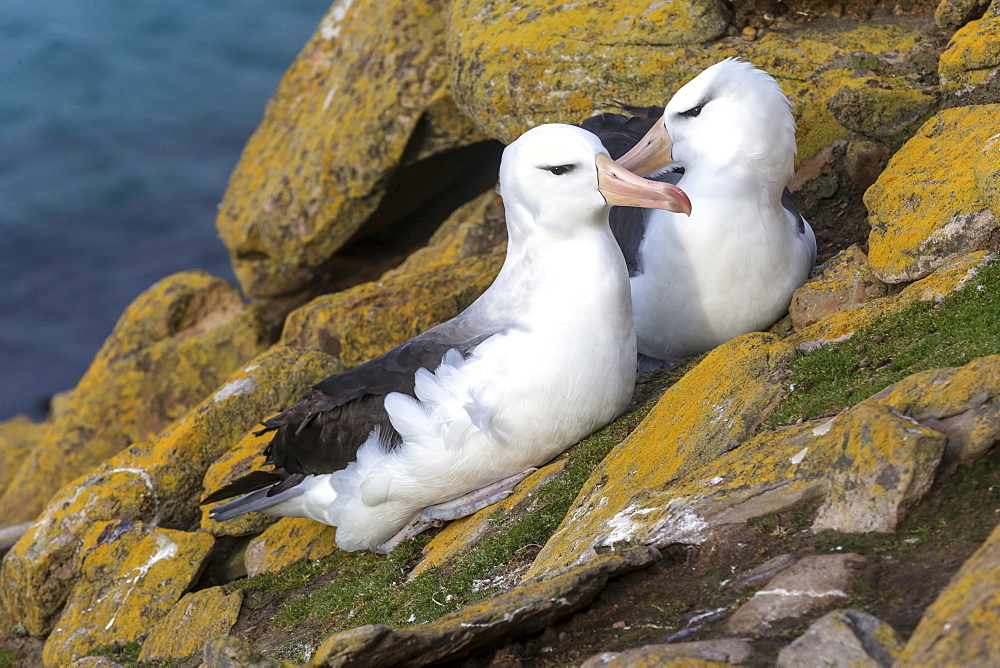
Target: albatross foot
461, 506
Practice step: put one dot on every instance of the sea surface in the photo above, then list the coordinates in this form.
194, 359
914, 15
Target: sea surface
120, 121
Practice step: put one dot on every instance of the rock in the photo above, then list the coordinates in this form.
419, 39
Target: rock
781, 469
885, 465
969, 68
958, 402
953, 14
246, 456
847, 280
728, 651
193, 621
95, 662
864, 160
290, 540
942, 282
711, 410
926, 209
810, 586
765, 571
504, 81
230, 652
369, 319
527, 608
475, 228
986, 169
843, 638
959, 628
176, 343
880, 106
18, 436
352, 118
130, 578
463, 534
158, 481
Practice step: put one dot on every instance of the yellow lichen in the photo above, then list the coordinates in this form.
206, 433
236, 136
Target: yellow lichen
290, 540
195, 619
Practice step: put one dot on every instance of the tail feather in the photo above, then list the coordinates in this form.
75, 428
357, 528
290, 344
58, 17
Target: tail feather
258, 500
248, 483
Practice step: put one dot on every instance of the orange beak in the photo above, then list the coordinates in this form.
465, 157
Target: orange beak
621, 187
653, 152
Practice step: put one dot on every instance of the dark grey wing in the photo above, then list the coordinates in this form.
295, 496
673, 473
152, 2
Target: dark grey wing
322, 431
789, 204
620, 132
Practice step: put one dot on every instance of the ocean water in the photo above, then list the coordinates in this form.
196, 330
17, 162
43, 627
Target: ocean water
120, 121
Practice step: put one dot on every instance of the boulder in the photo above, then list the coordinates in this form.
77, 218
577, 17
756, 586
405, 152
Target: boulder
813, 584
969, 68
352, 113
880, 106
176, 343
290, 540
926, 209
846, 280
959, 628
157, 482
130, 578
18, 437
725, 652
953, 14
194, 620
369, 319
844, 638
710, 411
505, 80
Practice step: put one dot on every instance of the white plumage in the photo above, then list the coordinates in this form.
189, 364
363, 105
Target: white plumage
557, 361
731, 267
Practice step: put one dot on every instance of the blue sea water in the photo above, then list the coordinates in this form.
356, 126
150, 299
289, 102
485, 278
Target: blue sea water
120, 121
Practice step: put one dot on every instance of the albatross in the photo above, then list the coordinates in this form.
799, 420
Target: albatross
451, 420
732, 265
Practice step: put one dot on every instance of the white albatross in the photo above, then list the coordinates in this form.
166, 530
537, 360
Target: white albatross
449, 421
731, 267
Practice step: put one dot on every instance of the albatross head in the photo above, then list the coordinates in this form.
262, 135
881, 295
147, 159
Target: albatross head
561, 176
731, 117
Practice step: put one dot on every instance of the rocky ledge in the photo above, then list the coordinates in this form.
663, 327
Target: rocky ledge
822, 493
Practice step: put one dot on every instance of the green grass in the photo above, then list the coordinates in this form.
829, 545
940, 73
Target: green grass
7, 658
372, 589
925, 335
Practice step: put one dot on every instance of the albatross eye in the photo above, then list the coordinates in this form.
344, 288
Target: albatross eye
559, 170
693, 112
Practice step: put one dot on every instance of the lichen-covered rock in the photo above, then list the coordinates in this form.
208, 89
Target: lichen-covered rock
333, 135
926, 209
504, 79
953, 14
246, 456
725, 652
369, 319
628, 500
527, 608
195, 619
131, 576
475, 228
230, 652
847, 280
879, 106
709, 411
844, 638
154, 481
892, 482
959, 628
813, 584
942, 282
986, 169
463, 534
290, 540
969, 68
18, 436
173, 345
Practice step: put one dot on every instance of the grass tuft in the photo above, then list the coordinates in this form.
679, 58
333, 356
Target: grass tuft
925, 335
